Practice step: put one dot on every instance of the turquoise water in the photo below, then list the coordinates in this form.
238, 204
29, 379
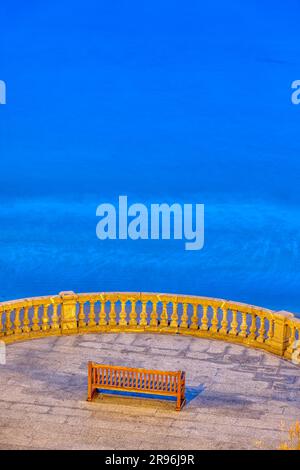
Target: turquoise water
163, 103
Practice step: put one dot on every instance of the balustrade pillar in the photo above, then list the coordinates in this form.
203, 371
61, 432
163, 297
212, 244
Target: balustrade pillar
281, 332
68, 312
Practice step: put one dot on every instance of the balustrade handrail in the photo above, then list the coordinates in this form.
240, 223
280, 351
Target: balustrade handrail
139, 296
70, 313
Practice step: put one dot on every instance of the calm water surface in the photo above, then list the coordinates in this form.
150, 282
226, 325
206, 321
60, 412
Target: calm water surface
163, 103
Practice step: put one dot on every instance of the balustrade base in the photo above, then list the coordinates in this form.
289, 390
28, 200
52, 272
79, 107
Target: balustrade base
148, 329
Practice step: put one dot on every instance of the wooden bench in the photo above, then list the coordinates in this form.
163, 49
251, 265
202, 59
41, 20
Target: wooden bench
143, 381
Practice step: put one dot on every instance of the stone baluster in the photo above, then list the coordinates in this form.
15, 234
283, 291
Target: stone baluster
123, 320
17, 322
291, 344
164, 315
55, 318
270, 331
234, 323
102, 315
224, 322
112, 313
81, 315
252, 331
244, 326
174, 316
26, 322
184, 317
35, 318
204, 319
45, 317
297, 321
154, 315
262, 329
92, 314
194, 319
8, 323
295, 356
143, 317
214, 320
133, 314
1, 323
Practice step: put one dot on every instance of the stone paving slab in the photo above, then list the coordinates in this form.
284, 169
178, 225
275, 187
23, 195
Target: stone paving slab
237, 398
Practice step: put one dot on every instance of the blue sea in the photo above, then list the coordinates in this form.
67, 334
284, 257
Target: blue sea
162, 102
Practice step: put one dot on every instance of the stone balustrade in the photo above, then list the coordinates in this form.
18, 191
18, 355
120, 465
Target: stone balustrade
70, 313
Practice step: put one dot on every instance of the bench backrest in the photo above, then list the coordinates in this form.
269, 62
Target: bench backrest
136, 379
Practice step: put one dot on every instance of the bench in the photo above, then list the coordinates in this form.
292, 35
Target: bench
154, 382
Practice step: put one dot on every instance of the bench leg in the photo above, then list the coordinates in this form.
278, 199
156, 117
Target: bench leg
180, 404
91, 394
90, 387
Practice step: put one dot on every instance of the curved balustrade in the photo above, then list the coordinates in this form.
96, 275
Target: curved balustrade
70, 313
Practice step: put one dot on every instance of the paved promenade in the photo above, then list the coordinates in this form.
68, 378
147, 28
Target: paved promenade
238, 398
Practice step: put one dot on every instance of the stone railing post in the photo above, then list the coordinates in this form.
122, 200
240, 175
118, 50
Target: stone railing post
281, 333
68, 312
